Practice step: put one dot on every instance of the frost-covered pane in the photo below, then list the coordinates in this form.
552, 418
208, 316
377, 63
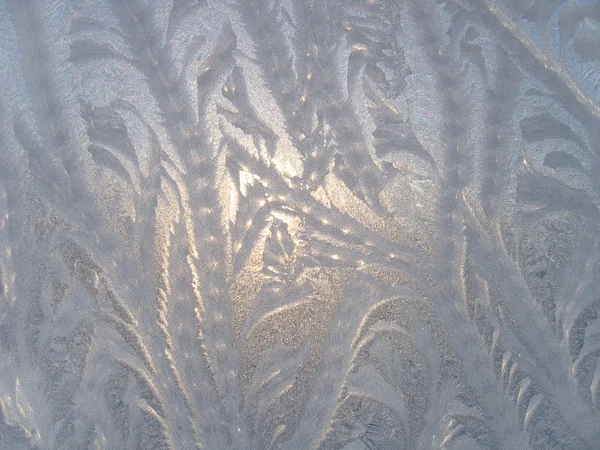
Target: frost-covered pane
299, 224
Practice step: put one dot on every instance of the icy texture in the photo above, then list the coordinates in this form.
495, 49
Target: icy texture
300, 224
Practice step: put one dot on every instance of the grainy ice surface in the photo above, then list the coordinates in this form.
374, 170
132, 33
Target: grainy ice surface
300, 224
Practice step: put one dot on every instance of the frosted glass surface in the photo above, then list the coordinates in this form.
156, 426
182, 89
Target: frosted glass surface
300, 224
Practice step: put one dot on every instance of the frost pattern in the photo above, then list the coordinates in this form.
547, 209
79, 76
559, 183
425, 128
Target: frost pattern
299, 224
